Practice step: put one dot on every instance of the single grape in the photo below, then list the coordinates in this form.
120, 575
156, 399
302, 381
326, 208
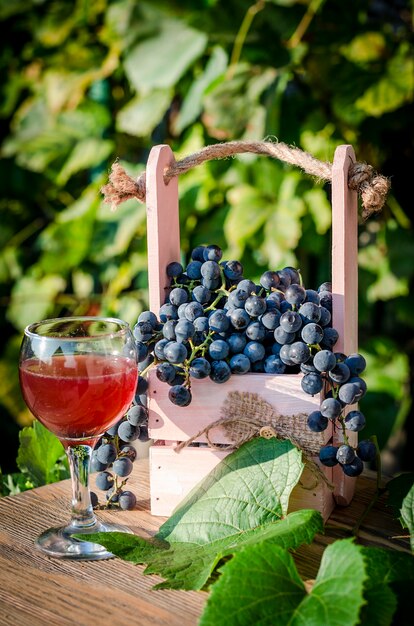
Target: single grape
112, 431
174, 269
143, 434
218, 350
143, 331
324, 361
168, 331
308, 367
239, 319
255, 351
270, 280
165, 372
137, 414
193, 270
142, 351
201, 324
200, 368
325, 300
239, 364
348, 393
331, 408
247, 285
327, 456
104, 481
201, 294
128, 432
311, 384
312, 334
237, 342
237, 298
355, 421
142, 385
270, 319
356, 364
197, 254
283, 337
366, 450
212, 253
127, 501
128, 451
96, 465
340, 373
299, 352
312, 296
148, 316
210, 270
179, 395
94, 499
290, 321
168, 312
184, 329
295, 294
361, 384
255, 331
220, 372
345, 454
255, 306
233, 270
325, 318
178, 296
274, 365
284, 355
325, 287
106, 453
310, 313
317, 422
218, 321
193, 311
175, 352
122, 466
353, 469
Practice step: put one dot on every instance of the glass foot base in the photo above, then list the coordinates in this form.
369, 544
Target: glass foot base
59, 543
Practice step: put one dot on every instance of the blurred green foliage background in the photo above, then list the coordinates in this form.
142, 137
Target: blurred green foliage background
85, 81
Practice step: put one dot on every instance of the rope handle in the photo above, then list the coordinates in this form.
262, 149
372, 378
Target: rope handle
372, 187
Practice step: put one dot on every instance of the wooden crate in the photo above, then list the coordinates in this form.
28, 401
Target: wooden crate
173, 474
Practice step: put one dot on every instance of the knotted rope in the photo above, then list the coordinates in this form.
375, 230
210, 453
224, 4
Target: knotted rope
372, 187
245, 415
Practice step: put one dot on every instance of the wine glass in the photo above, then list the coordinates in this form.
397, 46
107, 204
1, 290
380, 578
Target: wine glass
78, 377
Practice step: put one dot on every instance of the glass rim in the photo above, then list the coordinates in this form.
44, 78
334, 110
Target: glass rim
29, 331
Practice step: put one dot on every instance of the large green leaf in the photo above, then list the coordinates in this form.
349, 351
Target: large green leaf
242, 501
158, 62
33, 298
39, 453
140, 116
261, 585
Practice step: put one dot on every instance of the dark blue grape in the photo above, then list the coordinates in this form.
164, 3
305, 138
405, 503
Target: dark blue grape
325, 300
361, 384
247, 285
123, 466
284, 355
353, 469
254, 351
220, 372
181, 310
200, 368
295, 294
106, 453
129, 451
218, 350
317, 422
356, 364
169, 334
218, 321
148, 316
137, 414
327, 456
325, 287
237, 299
311, 384
312, 296
331, 408
210, 270
340, 373
142, 351
201, 324
285, 278
299, 352
112, 431
174, 269
348, 393
211, 283
175, 352
143, 331
201, 294
193, 270
270, 280
255, 331
165, 372
212, 253
128, 432
239, 319
366, 450
94, 499
127, 501
355, 421
324, 361
104, 481
193, 311
198, 254
239, 364
179, 395
143, 434
284, 337
310, 313
345, 454
290, 321
255, 306
308, 367
184, 330
325, 317
178, 296
312, 334
168, 312
274, 365
142, 385
285, 306
233, 270
237, 342
270, 319
96, 465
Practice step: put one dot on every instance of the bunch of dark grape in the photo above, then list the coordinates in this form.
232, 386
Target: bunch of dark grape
114, 455
215, 323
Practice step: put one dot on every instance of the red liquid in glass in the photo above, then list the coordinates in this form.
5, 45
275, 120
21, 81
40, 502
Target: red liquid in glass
78, 396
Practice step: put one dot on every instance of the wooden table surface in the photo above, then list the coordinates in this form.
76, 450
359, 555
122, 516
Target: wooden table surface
38, 591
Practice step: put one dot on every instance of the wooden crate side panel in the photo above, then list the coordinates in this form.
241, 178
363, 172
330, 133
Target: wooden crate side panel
283, 392
344, 285
173, 475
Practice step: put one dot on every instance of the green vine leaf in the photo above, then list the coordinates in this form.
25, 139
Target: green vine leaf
242, 501
401, 498
41, 455
275, 594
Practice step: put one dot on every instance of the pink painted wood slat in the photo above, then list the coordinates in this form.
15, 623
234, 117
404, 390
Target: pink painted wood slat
344, 284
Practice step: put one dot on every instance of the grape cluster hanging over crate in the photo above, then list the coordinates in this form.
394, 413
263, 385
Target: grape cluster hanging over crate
216, 323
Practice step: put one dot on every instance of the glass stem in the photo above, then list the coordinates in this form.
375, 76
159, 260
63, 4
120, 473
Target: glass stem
79, 462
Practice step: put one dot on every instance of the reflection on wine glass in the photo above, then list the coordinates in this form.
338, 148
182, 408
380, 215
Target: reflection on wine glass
78, 377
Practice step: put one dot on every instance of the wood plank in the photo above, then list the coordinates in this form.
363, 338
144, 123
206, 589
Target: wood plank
344, 285
163, 227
